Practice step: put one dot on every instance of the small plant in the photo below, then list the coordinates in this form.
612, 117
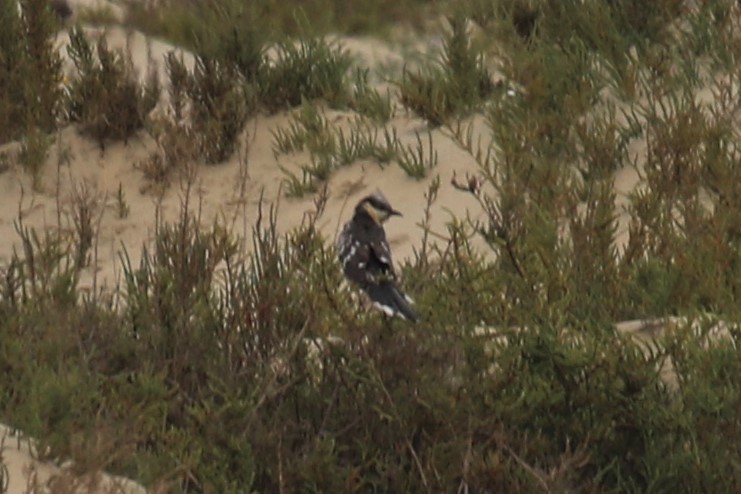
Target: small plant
179, 79
368, 102
309, 69
413, 159
461, 82
33, 153
87, 209
320, 168
331, 147
4, 473
387, 150
122, 207
106, 98
353, 146
177, 150
309, 128
207, 111
604, 145
30, 69
298, 187
221, 100
425, 92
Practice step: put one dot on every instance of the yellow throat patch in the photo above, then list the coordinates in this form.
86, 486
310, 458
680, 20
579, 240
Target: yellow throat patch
377, 215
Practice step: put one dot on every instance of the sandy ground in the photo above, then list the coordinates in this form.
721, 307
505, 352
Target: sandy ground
26, 475
218, 187
220, 195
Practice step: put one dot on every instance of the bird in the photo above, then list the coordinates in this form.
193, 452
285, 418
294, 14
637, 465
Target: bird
366, 260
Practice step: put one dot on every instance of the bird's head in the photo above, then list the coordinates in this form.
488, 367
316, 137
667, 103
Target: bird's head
377, 207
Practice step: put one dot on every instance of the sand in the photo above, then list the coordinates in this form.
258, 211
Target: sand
27, 475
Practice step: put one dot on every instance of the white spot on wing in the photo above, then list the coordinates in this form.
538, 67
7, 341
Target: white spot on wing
383, 258
351, 254
385, 308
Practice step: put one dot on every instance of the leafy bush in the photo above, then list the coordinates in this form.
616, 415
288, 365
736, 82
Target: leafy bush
220, 102
106, 98
30, 69
182, 22
214, 369
459, 84
310, 69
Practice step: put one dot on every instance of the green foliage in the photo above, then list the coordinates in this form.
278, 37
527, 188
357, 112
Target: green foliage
413, 160
232, 36
368, 102
87, 208
30, 69
309, 129
310, 68
101, 14
204, 120
122, 206
106, 98
333, 146
185, 22
214, 375
220, 104
33, 153
459, 84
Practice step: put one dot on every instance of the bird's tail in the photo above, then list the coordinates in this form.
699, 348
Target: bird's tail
387, 297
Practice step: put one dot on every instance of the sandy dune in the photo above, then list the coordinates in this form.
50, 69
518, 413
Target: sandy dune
218, 186
29, 476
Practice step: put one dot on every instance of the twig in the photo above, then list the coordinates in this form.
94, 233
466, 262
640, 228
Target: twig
274, 377
539, 476
419, 465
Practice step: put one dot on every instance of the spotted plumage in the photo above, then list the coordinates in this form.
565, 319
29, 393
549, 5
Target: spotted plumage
366, 260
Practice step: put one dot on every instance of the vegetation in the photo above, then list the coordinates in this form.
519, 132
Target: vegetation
331, 146
30, 69
230, 364
459, 84
184, 22
107, 98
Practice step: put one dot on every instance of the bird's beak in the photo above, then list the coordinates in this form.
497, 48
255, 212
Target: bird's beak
395, 213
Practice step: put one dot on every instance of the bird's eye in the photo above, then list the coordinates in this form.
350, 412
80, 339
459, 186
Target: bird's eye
379, 205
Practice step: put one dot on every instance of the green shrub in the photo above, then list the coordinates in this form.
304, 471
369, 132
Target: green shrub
220, 103
311, 68
207, 111
459, 84
106, 98
184, 22
33, 153
30, 69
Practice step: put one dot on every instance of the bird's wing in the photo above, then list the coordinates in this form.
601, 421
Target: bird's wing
367, 262
355, 262
381, 252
